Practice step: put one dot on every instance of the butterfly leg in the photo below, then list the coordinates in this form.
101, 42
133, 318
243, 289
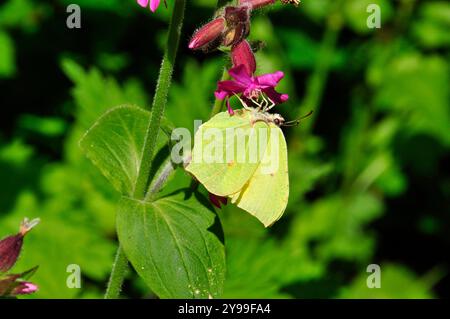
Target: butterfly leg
272, 104
243, 103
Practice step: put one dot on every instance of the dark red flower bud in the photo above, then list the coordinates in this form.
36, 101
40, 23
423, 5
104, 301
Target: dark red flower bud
238, 25
243, 54
11, 246
207, 34
9, 251
217, 200
256, 4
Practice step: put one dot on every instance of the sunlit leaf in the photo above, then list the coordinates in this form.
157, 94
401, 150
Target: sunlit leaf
171, 244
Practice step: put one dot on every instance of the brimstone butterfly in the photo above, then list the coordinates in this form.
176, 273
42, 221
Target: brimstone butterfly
244, 157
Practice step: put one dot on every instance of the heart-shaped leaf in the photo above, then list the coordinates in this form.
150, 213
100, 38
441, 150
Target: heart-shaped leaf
172, 246
115, 142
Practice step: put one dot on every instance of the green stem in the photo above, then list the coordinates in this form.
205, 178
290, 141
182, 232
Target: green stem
159, 102
317, 81
117, 276
160, 99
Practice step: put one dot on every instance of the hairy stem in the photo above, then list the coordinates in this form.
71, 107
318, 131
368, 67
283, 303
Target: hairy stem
160, 99
159, 102
119, 270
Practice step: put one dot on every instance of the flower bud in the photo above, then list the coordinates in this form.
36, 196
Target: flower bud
217, 200
238, 25
11, 246
206, 35
24, 288
9, 251
242, 54
256, 4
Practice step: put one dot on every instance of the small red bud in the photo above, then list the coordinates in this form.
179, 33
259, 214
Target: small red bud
256, 4
11, 246
207, 34
217, 200
243, 54
238, 25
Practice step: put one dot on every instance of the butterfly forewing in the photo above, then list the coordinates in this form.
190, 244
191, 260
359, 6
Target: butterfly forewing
227, 152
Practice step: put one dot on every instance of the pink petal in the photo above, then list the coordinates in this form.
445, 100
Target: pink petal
24, 288
243, 54
231, 112
154, 5
276, 97
239, 73
270, 79
228, 88
143, 3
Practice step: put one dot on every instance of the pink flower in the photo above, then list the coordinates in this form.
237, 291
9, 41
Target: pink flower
251, 87
24, 288
153, 4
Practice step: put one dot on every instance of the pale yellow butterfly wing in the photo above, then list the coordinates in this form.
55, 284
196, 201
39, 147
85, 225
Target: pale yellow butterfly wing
266, 194
226, 174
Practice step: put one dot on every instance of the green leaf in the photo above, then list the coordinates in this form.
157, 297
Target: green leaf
115, 142
171, 245
94, 93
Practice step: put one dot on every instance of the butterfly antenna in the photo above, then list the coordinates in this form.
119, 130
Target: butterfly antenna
297, 122
292, 123
307, 115
165, 3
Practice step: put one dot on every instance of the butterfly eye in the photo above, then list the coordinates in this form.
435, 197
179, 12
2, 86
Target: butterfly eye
277, 122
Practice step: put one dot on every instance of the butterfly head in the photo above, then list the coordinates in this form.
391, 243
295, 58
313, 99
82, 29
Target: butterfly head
277, 119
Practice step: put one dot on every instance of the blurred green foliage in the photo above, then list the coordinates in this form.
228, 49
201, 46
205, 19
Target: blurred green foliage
367, 172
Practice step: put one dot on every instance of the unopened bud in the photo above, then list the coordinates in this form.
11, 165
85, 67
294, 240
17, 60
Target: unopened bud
11, 246
243, 54
238, 25
207, 34
256, 4
24, 288
217, 201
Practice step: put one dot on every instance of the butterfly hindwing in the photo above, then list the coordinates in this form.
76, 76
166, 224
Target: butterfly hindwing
266, 194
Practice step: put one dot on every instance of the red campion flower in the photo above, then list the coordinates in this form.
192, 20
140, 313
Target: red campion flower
250, 87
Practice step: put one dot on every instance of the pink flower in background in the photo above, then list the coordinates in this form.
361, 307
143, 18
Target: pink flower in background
251, 87
153, 4
24, 288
